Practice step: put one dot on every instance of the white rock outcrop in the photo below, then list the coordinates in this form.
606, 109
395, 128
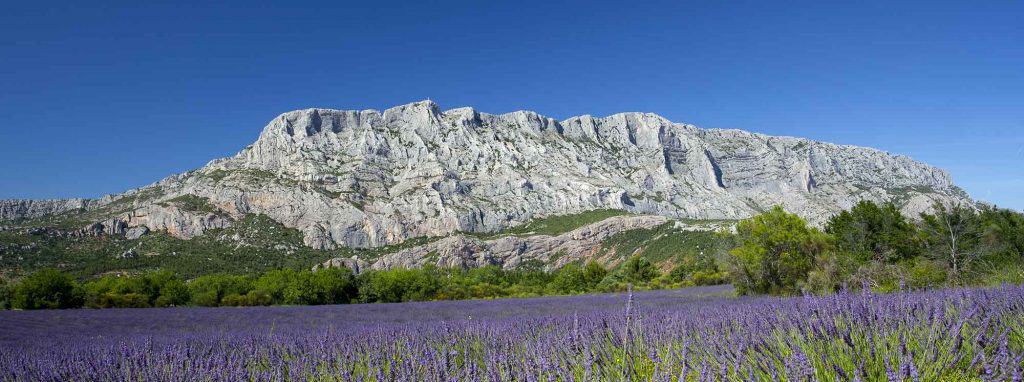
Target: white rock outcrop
13, 209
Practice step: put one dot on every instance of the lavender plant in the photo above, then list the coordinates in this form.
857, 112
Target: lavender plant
695, 334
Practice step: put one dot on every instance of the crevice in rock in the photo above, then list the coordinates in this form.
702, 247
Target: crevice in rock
714, 168
668, 160
315, 123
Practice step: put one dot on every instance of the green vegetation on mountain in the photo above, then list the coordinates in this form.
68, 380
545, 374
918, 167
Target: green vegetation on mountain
253, 244
666, 244
192, 203
559, 224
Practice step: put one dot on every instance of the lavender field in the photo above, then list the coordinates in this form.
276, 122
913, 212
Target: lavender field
694, 334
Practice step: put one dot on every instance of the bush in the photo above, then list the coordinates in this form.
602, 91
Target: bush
954, 236
160, 289
638, 270
399, 285
593, 273
706, 277
926, 273
775, 252
831, 272
570, 279
47, 289
212, 289
253, 298
284, 286
332, 286
5, 295
872, 232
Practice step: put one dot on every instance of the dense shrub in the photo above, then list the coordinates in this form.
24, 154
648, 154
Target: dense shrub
571, 278
638, 270
872, 232
398, 285
775, 252
156, 289
212, 290
47, 289
5, 295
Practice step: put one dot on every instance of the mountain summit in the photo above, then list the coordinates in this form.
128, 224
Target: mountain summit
365, 179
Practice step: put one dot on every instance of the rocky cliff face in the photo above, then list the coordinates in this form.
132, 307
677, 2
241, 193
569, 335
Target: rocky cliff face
368, 178
14, 209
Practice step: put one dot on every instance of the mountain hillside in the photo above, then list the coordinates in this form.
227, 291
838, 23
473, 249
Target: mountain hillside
370, 179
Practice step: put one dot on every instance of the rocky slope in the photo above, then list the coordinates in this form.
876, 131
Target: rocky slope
365, 179
509, 251
13, 209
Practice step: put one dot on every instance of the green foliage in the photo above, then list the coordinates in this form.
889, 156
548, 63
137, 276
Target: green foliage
253, 244
638, 270
954, 244
399, 285
925, 273
332, 286
559, 224
570, 279
953, 236
154, 289
775, 252
47, 289
593, 273
193, 203
698, 269
258, 261
707, 277
1002, 233
872, 232
5, 295
290, 287
832, 271
665, 243
219, 289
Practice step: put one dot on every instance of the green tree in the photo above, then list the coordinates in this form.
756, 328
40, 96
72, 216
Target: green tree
775, 251
399, 285
164, 288
638, 270
1002, 233
593, 273
158, 288
47, 289
5, 295
212, 290
171, 292
285, 286
569, 279
953, 235
332, 286
114, 292
872, 232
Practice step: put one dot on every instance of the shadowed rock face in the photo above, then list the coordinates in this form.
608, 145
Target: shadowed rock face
368, 178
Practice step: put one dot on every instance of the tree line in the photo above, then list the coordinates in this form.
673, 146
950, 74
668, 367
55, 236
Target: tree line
875, 246
52, 289
776, 252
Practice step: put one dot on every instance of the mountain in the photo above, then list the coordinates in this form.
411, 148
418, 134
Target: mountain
370, 179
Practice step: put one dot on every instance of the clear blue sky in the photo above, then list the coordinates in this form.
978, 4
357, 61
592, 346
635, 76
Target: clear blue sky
97, 100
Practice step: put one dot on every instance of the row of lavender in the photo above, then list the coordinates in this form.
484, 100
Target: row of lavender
956, 334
